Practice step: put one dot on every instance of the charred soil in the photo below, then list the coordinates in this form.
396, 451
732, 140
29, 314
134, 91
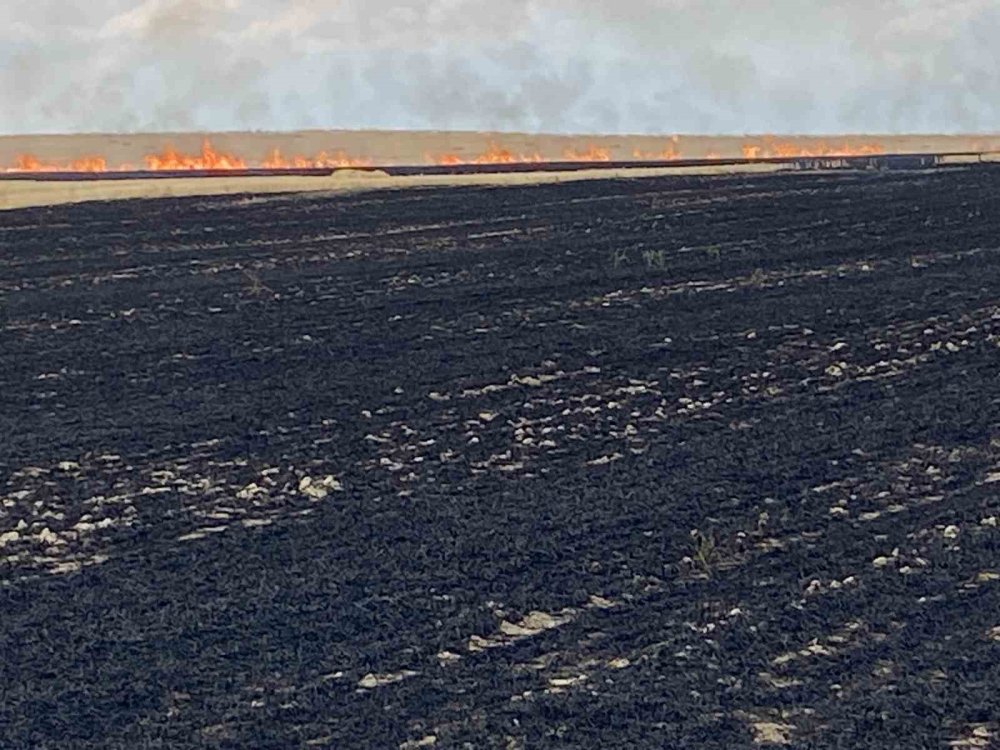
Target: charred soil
704, 462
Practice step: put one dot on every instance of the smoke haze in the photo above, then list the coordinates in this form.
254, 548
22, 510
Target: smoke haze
560, 66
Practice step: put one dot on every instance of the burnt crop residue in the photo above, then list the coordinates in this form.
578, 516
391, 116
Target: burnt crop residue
704, 462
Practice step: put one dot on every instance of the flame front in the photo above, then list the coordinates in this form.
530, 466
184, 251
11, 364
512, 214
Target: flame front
275, 160
497, 154
210, 159
171, 160
670, 153
30, 163
593, 153
786, 149
494, 154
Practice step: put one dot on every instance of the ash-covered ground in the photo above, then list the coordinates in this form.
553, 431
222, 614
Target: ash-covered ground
703, 462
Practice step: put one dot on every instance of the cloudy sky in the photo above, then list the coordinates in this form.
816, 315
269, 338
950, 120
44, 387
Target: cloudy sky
626, 66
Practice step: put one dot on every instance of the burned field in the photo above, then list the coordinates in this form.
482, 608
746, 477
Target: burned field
703, 462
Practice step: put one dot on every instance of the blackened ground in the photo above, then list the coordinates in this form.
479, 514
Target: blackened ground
684, 462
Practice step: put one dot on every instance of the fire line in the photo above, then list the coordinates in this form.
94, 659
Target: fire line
169, 159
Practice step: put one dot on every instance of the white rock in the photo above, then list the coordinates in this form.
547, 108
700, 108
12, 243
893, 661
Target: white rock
9, 536
951, 532
249, 491
47, 536
369, 681
428, 741
319, 489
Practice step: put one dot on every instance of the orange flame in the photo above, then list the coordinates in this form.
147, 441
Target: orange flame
786, 149
495, 154
30, 163
275, 160
593, 153
447, 160
209, 158
668, 154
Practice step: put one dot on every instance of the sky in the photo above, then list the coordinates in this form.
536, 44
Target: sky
560, 66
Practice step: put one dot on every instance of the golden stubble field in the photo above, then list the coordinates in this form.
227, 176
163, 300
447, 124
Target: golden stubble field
29, 193
408, 147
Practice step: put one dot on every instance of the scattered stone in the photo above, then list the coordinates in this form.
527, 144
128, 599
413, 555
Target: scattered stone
47, 536
250, 491
319, 489
428, 741
371, 681
478, 643
560, 682
600, 602
771, 733
881, 562
951, 532
9, 536
605, 460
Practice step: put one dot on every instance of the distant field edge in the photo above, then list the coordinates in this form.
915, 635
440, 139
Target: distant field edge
32, 191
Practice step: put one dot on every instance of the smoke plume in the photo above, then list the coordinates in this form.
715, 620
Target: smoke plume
563, 66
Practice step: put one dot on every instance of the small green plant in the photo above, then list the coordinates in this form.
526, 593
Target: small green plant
706, 552
619, 258
655, 259
714, 252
